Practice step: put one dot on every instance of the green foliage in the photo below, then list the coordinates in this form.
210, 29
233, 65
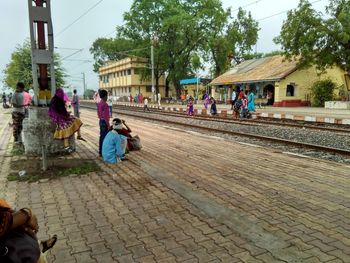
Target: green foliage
89, 94
322, 91
315, 38
20, 68
180, 31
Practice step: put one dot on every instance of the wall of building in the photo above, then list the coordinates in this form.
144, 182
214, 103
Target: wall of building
122, 78
302, 80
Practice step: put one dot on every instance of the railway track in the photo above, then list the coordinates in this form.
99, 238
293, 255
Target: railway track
131, 113
240, 122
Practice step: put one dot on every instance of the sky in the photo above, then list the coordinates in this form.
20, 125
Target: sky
102, 20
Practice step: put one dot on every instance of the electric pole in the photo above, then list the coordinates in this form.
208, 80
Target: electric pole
84, 85
152, 62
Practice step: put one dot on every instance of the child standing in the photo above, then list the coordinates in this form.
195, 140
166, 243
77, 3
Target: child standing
103, 115
110, 105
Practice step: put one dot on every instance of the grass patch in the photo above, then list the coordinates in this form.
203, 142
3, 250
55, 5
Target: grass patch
17, 150
57, 168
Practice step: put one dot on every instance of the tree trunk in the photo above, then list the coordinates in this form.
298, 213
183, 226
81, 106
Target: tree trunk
167, 87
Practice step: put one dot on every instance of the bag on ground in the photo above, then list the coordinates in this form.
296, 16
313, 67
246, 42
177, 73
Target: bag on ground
136, 143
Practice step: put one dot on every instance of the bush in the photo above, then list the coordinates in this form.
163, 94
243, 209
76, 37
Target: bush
322, 91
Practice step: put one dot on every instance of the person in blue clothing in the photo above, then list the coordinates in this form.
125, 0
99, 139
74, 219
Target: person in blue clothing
114, 144
251, 105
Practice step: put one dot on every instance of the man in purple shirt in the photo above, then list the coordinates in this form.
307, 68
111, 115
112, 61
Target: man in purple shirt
103, 115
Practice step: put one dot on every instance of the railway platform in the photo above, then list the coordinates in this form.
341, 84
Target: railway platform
189, 197
307, 114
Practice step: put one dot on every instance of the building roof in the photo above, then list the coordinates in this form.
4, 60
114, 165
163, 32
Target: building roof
257, 70
193, 81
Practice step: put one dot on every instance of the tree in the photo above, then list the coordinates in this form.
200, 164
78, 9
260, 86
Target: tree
230, 42
315, 38
20, 68
105, 49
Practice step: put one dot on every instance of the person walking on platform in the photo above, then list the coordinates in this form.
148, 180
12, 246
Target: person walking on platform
251, 105
4, 101
114, 145
233, 99
18, 112
213, 109
190, 110
103, 116
145, 104
76, 104
159, 99
110, 105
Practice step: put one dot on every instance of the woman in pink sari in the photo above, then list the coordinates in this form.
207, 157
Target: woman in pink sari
66, 124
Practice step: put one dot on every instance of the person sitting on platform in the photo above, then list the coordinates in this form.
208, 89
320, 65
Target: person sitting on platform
18, 241
66, 124
114, 144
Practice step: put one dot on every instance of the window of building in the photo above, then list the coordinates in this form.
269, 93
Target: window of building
136, 71
290, 90
100, 78
129, 89
129, 72
124, 72
148, 88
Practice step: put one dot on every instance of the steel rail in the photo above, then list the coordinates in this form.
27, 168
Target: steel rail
235, 133
241, 122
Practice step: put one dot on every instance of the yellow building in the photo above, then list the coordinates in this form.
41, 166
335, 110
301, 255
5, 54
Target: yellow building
286, 85
123, 77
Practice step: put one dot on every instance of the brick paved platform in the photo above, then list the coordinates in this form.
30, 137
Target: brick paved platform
188, 197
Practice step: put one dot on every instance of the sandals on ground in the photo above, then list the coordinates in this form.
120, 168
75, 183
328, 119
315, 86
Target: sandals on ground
48, 244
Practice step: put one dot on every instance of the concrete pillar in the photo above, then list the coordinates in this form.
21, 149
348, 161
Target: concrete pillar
38, 130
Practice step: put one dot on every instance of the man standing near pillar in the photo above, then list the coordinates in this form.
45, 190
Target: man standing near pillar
18, 112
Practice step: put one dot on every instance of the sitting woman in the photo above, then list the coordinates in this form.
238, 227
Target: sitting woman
66, 124
114, 144
18, 242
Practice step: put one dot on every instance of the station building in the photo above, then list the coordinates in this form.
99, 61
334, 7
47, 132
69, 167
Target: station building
189, 86
289, 86
123, 77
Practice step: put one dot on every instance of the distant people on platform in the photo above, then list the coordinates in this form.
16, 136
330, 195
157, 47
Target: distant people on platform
159, 99
145, 104
213, 109
110, 105
76, 104
4, 101
233, 98
18, 101
114, 144
190, 107
96, 97
269, 97
66, 124
206, 100
131, 99
103, 116
251, 105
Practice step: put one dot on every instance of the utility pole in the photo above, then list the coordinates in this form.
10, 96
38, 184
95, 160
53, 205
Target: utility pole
197, 86
84, 85
152, 62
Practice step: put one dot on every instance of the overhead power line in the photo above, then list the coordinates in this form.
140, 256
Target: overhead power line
250, 4
283, 12
81, 16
